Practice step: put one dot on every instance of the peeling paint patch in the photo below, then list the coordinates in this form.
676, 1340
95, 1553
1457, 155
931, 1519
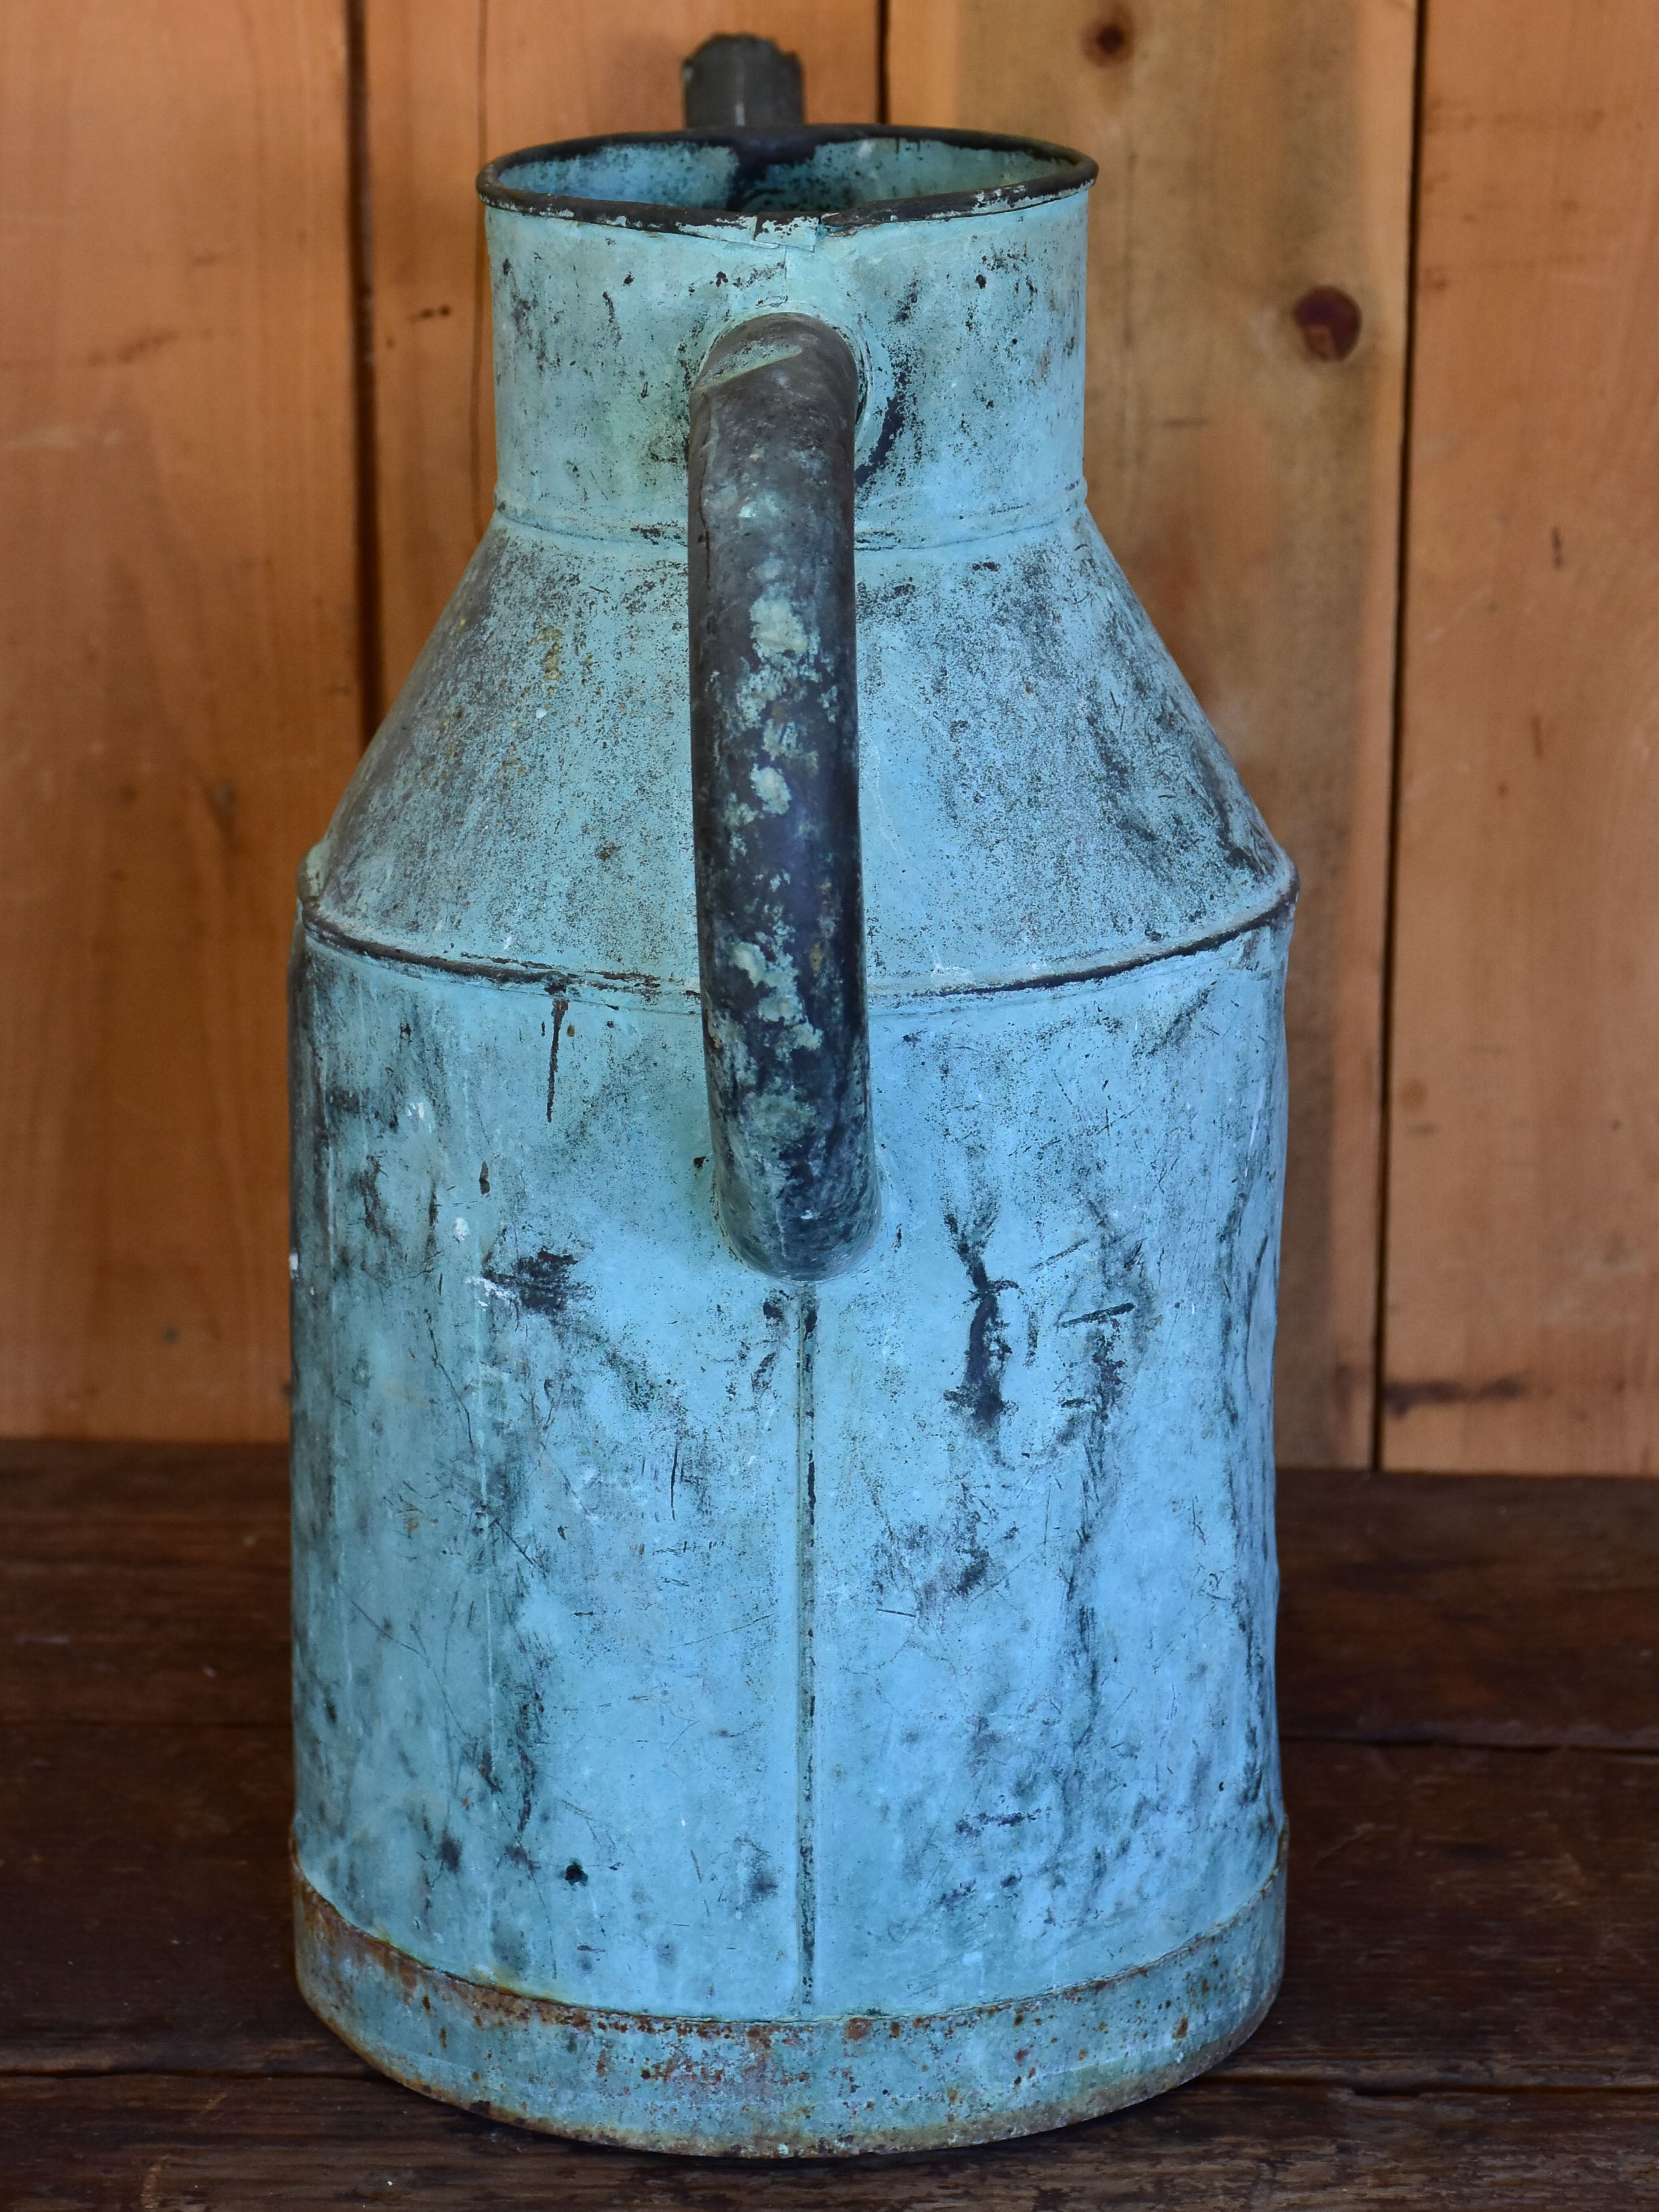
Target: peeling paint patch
543, 1284
979, 1394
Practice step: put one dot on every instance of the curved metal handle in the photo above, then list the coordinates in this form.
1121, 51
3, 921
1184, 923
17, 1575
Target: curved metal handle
775, 791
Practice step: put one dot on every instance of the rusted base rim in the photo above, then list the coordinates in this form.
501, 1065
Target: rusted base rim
795, 2088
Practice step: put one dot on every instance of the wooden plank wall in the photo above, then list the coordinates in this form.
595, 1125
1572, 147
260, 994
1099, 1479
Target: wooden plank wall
1252, 153
179, 670
1523, 1230
196, 633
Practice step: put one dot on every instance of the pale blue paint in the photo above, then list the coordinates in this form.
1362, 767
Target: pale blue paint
672, 1642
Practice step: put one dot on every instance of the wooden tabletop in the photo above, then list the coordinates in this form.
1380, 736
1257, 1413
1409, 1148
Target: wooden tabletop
1469, 1691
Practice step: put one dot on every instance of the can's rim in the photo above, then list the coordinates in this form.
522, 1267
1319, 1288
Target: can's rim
1057, 171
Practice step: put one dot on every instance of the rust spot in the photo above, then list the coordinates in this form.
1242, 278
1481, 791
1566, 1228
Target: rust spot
1330, 322
1181, 2027
334, 1953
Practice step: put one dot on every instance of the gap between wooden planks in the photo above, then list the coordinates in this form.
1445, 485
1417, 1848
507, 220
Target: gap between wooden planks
449, 87
176, 2145
180, 434
178, 766
1468, 2003
1250, 151
1523, 1183
178, 646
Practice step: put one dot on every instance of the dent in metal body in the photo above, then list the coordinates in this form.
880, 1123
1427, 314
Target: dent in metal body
678, 1644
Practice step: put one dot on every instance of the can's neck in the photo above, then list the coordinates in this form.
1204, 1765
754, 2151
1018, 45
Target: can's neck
967, 328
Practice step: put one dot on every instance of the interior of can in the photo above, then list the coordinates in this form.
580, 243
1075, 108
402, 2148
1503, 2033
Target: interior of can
703, 176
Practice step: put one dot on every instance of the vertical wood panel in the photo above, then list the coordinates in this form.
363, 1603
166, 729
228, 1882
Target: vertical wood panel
1523, 1233
450, 85
1249, 150
178, 652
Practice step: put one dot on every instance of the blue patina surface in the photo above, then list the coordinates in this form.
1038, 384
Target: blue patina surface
876, 1667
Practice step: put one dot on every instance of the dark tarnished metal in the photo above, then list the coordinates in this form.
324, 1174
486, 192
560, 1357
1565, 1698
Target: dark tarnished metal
774, 789
737, 80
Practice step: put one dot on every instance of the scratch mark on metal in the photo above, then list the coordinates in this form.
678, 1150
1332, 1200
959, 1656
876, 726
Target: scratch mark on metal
806, 1607
561, 1008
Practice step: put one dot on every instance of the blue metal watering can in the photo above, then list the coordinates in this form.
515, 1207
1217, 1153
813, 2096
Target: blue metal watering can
788, 1107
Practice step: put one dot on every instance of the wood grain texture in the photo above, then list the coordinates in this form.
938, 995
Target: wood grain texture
146, 1584
173, 2145
1467, 2014
149, 1584
450, 85
1524, 1214
177, 649
1460, 1915
1428, 1608
1458, 1918
1250, 150
1466, 1917
148, 1920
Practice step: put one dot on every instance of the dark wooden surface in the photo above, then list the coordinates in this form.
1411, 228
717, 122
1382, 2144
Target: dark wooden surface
1470, 1701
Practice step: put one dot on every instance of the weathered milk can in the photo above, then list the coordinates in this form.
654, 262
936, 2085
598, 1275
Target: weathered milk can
787, 1185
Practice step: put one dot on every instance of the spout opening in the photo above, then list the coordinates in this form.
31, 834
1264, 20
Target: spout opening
840, 176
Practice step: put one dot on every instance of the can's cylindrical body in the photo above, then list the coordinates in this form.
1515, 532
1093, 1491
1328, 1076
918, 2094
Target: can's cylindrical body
733, 1715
